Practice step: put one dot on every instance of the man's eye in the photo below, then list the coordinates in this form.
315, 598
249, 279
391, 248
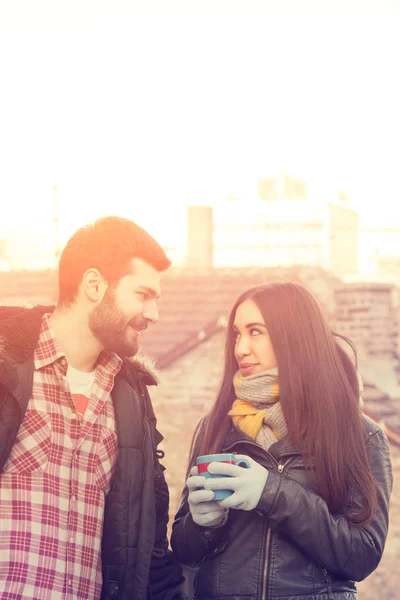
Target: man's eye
141, 295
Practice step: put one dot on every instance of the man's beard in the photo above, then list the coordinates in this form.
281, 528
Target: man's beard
110, 327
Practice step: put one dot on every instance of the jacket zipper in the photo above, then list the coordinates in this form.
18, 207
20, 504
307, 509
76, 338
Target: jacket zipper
282, 466
266, 562
280, 469
145, 433
328, 583
268, 542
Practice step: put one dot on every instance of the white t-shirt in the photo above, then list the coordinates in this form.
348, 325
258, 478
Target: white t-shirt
80, 385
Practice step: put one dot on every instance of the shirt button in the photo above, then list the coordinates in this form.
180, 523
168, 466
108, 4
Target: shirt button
71, 539
74, 416
69, 581
73, 498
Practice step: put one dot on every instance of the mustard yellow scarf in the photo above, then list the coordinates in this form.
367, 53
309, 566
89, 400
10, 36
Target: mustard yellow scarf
257, 410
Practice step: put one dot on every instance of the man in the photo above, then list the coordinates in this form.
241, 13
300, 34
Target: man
83, 499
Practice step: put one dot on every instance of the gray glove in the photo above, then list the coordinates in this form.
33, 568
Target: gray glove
247, 484
204, 510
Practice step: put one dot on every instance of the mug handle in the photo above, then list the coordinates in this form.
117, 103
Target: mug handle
243, 463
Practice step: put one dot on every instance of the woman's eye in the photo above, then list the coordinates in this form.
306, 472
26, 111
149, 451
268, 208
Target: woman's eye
141, 295
255, 332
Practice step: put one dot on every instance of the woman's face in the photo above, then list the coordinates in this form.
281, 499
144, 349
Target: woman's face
253, 349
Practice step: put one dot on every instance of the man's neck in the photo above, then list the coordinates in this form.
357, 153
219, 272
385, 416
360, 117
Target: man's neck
71, 329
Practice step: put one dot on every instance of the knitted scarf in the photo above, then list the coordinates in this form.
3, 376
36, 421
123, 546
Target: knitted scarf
257, 410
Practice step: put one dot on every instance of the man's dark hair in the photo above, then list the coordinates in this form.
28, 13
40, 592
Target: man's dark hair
108, 244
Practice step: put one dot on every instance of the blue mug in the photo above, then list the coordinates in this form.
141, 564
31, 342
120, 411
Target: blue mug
202, 463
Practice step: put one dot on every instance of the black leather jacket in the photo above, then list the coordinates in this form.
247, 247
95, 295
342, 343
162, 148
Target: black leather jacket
137, 564
290, 547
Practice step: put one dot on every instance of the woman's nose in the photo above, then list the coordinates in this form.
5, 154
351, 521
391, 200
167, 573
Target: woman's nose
242, 347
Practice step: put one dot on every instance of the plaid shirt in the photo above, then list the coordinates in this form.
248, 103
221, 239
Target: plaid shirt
53, 488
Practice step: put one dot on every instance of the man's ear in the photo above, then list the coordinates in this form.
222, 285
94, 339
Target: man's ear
93, 285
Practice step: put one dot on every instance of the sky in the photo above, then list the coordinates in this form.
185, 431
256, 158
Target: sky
139, 108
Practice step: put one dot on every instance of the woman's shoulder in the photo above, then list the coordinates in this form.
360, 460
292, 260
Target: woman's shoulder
371, 428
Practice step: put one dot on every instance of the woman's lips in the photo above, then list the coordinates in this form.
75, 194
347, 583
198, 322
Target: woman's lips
247, 368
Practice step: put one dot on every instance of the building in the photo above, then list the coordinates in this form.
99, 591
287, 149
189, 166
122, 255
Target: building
286, 226
380, 245
389, 266
4, 259
29, 246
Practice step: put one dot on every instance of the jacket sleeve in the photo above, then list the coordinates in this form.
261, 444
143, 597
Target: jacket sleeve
330, 540
190, 542
165, 574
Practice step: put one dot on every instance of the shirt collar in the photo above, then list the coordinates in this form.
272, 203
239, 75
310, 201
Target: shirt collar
48, 351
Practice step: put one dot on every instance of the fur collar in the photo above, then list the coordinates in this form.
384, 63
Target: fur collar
146, 366
19, 332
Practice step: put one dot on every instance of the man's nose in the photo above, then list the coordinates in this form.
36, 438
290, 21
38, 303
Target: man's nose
150, 311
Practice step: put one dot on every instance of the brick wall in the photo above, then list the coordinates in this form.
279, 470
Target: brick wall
186, 393
366, 314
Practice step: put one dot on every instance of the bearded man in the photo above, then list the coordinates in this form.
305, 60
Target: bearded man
83, 499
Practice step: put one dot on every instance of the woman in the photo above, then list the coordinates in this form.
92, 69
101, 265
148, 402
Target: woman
310, 515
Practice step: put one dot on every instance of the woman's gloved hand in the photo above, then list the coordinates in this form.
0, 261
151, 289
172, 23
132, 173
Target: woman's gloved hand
246, 483
204, 510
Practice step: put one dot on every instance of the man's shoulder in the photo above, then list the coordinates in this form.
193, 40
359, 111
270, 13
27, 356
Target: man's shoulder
19, 332
19, 324
17, 311
139, 371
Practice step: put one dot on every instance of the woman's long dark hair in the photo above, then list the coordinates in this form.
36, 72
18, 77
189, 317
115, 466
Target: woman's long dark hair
319, 394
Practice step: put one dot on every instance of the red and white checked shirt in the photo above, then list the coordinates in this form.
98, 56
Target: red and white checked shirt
53, 488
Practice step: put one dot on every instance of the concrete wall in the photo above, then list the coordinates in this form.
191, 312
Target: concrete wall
199, 237
343, 225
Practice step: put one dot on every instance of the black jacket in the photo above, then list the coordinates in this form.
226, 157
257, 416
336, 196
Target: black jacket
290, 547
137, 564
